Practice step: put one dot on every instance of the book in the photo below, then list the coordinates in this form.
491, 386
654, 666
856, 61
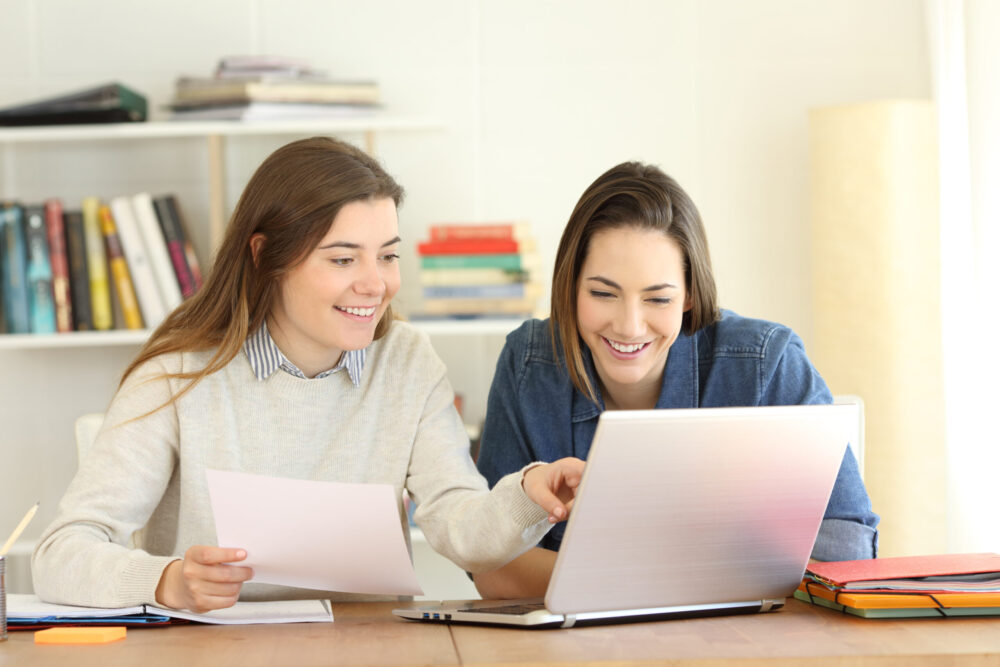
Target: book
473, 276
29, 610
156, 250
119, 270
61, 297
107, 103
251, 111
270, 89
147, 291
79, 275
176, 238
495, 230
522, 306
97, 266
476, 247
507, 261
899, 605
508, 291
13, 260
931, 573
41, 307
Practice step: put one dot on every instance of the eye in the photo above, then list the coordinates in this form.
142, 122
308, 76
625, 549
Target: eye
660, 300
342, 261
598, 294
390, 258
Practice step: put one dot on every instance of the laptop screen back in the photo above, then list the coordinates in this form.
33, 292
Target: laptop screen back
699, 506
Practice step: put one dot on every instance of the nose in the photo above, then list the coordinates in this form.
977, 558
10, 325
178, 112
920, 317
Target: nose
369, 281
630, 323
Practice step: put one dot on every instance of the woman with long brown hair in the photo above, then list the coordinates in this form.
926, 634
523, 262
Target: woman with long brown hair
286, 363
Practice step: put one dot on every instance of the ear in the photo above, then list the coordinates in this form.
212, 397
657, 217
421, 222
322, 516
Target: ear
256, 244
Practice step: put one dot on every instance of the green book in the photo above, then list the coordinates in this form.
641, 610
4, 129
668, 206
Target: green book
511, 262
107, 103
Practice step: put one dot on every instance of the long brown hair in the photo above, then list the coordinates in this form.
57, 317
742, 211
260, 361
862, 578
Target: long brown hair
291, 200
630, 194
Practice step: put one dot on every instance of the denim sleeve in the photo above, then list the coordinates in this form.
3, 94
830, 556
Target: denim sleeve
504, 444
849, 528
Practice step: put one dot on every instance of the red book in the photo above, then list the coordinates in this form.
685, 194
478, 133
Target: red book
475, 247
498, 230
61, 295
854, 573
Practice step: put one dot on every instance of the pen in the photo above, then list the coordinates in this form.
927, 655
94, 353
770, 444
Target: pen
20, 528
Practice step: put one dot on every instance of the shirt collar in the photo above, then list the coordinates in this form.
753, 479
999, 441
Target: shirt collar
265, 358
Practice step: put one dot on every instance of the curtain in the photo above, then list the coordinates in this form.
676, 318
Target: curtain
965, 64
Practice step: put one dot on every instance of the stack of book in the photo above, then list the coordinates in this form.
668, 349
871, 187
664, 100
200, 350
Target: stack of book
911, 586
479, 270
129, 260
270, 87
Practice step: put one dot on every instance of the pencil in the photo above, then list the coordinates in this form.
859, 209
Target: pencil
20, 529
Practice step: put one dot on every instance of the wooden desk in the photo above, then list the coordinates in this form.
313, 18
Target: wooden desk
367, 634
797, 634
361, 634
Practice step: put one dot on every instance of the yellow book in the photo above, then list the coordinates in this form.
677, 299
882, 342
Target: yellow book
119, 270
97, 266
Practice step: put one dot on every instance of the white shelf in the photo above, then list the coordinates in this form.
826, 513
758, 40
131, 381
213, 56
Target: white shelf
172, 129
75, 339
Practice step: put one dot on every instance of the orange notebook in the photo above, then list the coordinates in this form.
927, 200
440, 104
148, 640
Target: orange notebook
895, 600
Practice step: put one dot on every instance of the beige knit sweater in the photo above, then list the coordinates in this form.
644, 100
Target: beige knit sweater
399, 427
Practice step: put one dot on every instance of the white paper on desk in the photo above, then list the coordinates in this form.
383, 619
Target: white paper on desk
331, 536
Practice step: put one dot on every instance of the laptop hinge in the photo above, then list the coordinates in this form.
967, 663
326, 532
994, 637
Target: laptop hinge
569, 621
766, 605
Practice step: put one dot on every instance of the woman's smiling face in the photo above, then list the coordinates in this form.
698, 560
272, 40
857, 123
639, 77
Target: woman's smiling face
631, 299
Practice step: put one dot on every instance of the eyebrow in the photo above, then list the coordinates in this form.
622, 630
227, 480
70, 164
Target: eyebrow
651, 288
355, 246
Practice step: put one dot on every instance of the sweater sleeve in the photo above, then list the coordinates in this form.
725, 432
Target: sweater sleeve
84, 556
477, 528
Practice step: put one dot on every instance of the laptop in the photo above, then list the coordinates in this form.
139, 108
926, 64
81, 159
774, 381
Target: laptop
684, 513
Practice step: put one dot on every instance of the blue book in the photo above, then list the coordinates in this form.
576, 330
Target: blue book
508, 291
13, 259
41, 303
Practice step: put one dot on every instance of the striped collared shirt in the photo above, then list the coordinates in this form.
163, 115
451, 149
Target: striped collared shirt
265, 358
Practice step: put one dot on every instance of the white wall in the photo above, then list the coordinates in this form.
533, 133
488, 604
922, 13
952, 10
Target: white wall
535, 97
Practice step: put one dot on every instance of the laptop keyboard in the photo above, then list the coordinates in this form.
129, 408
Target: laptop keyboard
512, 609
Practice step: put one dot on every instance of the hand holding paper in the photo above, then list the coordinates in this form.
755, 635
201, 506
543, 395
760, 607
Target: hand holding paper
324, 535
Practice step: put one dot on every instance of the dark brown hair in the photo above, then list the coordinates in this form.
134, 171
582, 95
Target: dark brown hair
291, 200
635, 195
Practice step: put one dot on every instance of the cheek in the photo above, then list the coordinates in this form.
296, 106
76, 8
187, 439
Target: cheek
392, 282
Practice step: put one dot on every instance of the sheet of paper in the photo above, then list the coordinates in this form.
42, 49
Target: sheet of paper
329, 536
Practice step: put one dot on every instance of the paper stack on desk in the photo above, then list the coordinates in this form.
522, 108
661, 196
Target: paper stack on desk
28, 612
943, 585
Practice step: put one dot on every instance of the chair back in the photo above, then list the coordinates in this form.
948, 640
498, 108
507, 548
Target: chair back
858, 441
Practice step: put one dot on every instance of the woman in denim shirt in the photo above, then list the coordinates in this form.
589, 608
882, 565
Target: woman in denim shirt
635, 325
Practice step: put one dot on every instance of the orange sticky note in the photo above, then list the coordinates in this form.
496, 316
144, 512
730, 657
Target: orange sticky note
80, 635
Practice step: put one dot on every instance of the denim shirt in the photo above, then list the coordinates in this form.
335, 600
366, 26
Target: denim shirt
534, 413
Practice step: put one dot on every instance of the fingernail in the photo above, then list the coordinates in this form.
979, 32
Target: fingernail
241, 554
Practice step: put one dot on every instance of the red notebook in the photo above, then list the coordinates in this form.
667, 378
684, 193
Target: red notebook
853, 573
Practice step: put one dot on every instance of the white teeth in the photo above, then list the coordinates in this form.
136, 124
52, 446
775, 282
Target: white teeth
625, 348
362, 312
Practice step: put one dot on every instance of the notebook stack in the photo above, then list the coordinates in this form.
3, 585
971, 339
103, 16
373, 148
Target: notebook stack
912, 586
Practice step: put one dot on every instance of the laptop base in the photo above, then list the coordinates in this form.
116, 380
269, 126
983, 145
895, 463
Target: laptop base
531, 613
